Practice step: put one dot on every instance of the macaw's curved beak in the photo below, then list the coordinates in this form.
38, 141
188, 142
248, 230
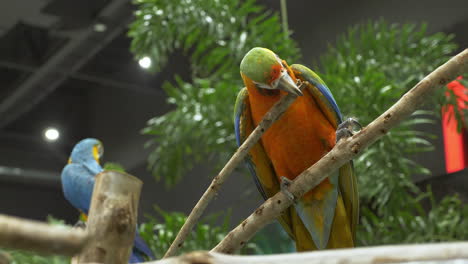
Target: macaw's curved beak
287, 84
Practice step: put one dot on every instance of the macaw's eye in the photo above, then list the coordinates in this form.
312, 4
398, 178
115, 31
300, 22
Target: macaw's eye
275, 73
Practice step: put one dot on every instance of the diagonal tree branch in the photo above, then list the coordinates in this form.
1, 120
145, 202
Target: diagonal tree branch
344, 151
269, 118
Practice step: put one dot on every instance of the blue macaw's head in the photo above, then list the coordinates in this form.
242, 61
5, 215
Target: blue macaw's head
88, 152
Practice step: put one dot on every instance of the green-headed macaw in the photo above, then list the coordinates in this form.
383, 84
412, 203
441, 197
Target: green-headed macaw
78, 178
326, 216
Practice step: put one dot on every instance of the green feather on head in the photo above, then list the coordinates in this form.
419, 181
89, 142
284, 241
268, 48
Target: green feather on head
257, 64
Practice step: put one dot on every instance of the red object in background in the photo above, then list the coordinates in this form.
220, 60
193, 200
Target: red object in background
455, 145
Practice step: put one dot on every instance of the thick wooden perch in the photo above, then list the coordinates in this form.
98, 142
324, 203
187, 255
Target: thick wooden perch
40, 237
344, 150
364, 255
112, 218
238, 157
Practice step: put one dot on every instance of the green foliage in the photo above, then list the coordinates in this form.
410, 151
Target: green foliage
215, 35
445, 221
368, 69
270, 240
200, 123
160, 234
464, 81
23, 257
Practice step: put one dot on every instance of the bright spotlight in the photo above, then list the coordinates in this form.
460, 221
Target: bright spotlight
100, 27
145, 62
51, 134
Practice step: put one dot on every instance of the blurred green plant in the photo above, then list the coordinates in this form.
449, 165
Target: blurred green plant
368, 69
464, 82
159, 234
160, 231
214, 35
22, 257
272, 239
445, 221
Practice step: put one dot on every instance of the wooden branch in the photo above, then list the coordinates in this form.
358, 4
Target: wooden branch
269, 118
112, 218
17, 233
365, 255
343, 151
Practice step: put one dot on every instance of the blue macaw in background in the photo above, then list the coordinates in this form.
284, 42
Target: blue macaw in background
78, 178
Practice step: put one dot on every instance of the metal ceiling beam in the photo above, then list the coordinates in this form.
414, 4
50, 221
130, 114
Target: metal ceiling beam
88, 78
12, 174
83, 45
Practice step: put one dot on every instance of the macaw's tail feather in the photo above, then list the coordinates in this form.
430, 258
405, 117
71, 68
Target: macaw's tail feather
140, 249
340, 235
136, 258
302, 237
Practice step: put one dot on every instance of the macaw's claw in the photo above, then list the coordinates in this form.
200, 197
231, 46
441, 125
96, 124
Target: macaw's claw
285, 183
347, 128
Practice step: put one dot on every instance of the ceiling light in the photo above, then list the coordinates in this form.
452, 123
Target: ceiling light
51, 134
145, 62
100, 27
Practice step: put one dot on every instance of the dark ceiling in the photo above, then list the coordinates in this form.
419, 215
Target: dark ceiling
57, 70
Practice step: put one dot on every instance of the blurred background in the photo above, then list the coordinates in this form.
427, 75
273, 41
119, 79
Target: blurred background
103, 68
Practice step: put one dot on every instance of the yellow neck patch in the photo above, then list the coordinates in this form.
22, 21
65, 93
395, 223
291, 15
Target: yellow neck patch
96, 153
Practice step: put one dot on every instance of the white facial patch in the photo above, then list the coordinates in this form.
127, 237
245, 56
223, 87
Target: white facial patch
274, 83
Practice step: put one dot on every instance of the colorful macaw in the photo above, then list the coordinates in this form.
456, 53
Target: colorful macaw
78, 178
326, 216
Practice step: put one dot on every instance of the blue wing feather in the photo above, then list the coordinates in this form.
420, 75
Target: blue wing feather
325, 97
78, 184
239, 110
326, 92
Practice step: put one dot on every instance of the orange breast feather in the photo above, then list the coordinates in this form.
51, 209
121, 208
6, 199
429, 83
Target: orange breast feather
298, 139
